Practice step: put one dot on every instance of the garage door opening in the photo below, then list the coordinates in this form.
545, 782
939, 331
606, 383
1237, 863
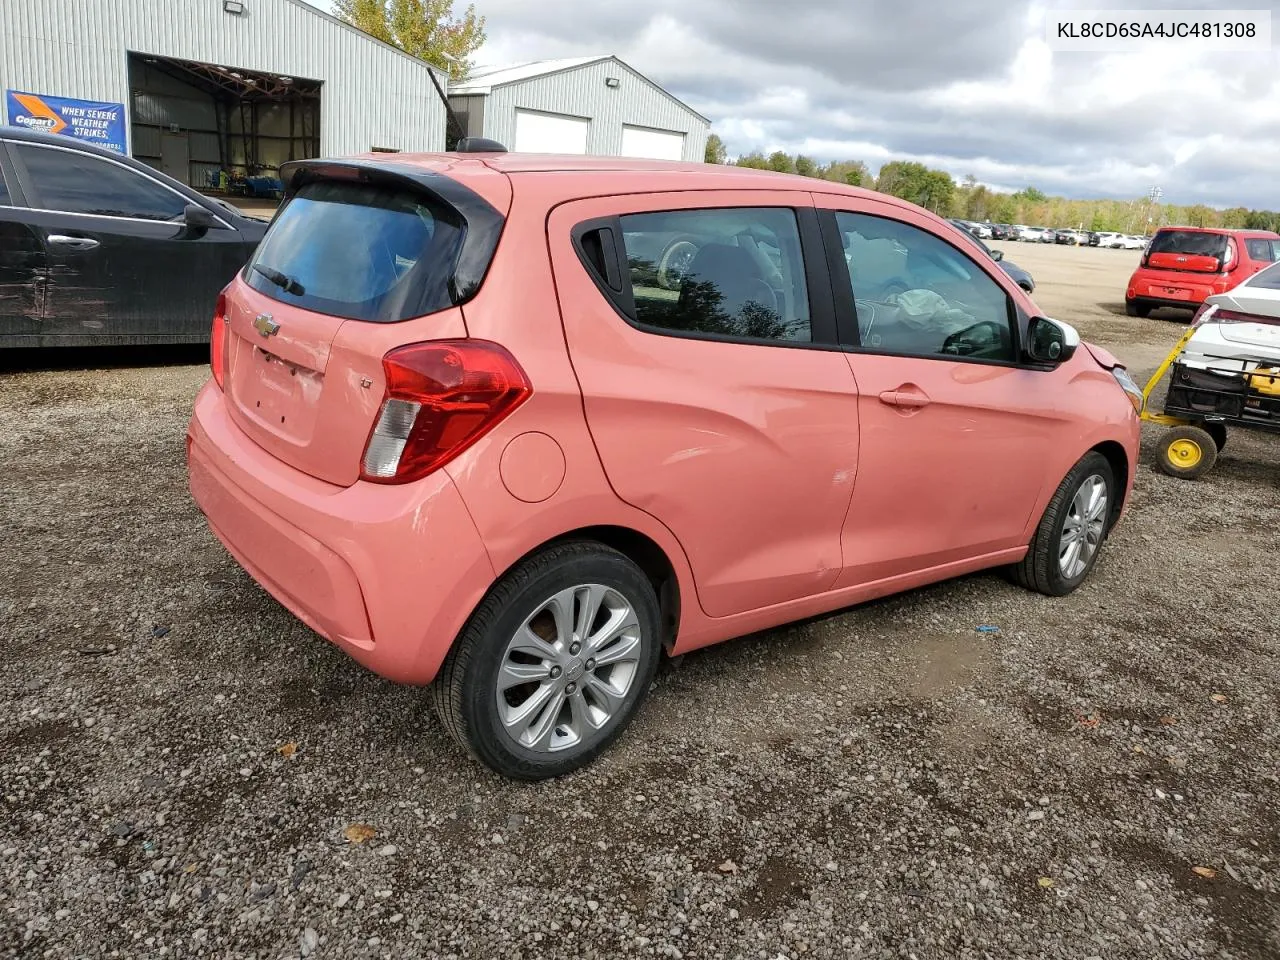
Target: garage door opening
222, 130
538, 132
652, 144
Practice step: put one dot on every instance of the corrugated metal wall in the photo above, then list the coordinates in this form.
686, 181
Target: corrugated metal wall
372, 94
581, 92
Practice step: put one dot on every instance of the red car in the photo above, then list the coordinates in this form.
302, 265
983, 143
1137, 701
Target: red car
1182, 266
517, 425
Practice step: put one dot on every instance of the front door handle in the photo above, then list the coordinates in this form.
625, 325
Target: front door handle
907, 395
75, 243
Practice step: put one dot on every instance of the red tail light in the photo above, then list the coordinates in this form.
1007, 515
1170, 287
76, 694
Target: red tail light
441, 397
1233, 316
218, 342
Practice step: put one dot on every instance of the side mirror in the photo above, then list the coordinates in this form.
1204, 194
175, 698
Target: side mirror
196, 217
1051, 341
997, 255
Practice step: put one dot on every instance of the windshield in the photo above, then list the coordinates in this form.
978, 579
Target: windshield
1191, 242
360, 251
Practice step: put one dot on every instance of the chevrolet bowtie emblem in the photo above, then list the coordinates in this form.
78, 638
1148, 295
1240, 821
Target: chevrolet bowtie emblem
265, 325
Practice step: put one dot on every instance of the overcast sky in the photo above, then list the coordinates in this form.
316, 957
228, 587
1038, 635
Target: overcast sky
966, 85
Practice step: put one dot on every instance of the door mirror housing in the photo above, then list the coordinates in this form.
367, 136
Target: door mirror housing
997, 255
1051, 341
196, 217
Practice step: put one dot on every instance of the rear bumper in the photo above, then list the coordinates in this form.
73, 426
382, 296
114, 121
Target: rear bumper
389, 574
1158, 290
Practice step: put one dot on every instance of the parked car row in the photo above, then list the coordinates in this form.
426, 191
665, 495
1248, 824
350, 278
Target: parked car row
1019, 276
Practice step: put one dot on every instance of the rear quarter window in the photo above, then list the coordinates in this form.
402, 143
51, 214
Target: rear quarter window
362, 251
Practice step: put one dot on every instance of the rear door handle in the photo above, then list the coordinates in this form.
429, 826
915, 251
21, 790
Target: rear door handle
75, 243
907, 395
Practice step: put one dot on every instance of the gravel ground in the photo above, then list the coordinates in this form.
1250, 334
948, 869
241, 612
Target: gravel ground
185, 769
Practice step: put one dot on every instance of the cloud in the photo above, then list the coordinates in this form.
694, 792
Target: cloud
967, 85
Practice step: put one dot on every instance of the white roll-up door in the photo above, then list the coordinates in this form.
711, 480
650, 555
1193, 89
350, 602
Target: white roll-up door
550, 133
652, 144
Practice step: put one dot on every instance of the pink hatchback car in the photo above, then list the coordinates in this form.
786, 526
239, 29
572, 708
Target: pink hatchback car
513, 425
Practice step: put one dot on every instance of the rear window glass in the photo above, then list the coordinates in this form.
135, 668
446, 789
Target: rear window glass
1189, 242
361, 251
1268, 279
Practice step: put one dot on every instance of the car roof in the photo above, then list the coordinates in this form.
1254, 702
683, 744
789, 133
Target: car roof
1225, 231
708, 175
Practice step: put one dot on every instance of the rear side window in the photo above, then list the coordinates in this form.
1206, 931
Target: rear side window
1190, 242
1263, 249
734, 272
361, 251
5, 199
77, 182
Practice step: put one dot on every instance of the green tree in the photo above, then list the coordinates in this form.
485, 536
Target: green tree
426, 29
1234, 218
754, 160
904, 179
852, 172
716, 152
1031, 195
781, 162
805, 166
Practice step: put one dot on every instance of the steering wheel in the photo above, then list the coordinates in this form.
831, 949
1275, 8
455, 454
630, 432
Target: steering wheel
674, 263
975, 339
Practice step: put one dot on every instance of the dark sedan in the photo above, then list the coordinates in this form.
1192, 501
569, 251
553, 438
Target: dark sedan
96, 248
1018, 275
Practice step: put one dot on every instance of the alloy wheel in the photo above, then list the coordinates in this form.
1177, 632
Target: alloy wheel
1083, 527
567, 671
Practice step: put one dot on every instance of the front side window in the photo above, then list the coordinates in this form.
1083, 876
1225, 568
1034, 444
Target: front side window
5, 199
916, 294
75, 182
733, 272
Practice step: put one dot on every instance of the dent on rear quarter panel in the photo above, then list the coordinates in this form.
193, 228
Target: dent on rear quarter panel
518, 307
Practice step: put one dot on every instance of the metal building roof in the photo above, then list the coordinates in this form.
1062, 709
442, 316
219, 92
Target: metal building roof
482, 80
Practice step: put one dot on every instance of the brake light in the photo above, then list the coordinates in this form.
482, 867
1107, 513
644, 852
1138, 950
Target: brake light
1233, 316
441, 397
218, 341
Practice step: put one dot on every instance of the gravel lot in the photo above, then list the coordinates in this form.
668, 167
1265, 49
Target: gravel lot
181, 761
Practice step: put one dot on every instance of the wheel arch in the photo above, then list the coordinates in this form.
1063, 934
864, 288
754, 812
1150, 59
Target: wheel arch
1118, 460
640, 549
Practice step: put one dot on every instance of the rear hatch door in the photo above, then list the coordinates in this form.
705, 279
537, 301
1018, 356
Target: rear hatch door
363, 257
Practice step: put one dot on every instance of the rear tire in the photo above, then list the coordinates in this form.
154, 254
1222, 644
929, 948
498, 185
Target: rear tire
521, 689
1187, 453
1137, 308
1070, 535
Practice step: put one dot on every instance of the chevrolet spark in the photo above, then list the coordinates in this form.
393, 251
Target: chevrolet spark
514, 426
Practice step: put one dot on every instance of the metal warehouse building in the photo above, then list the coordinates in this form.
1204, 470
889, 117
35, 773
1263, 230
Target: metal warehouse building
593, 105
205, 88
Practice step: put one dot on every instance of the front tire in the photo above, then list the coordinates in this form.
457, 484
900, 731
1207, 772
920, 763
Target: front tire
1070, 535
553, 663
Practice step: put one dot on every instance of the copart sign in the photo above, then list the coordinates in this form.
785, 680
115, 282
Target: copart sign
101, 124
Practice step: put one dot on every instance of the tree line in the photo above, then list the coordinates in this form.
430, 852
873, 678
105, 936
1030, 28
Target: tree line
936, 190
